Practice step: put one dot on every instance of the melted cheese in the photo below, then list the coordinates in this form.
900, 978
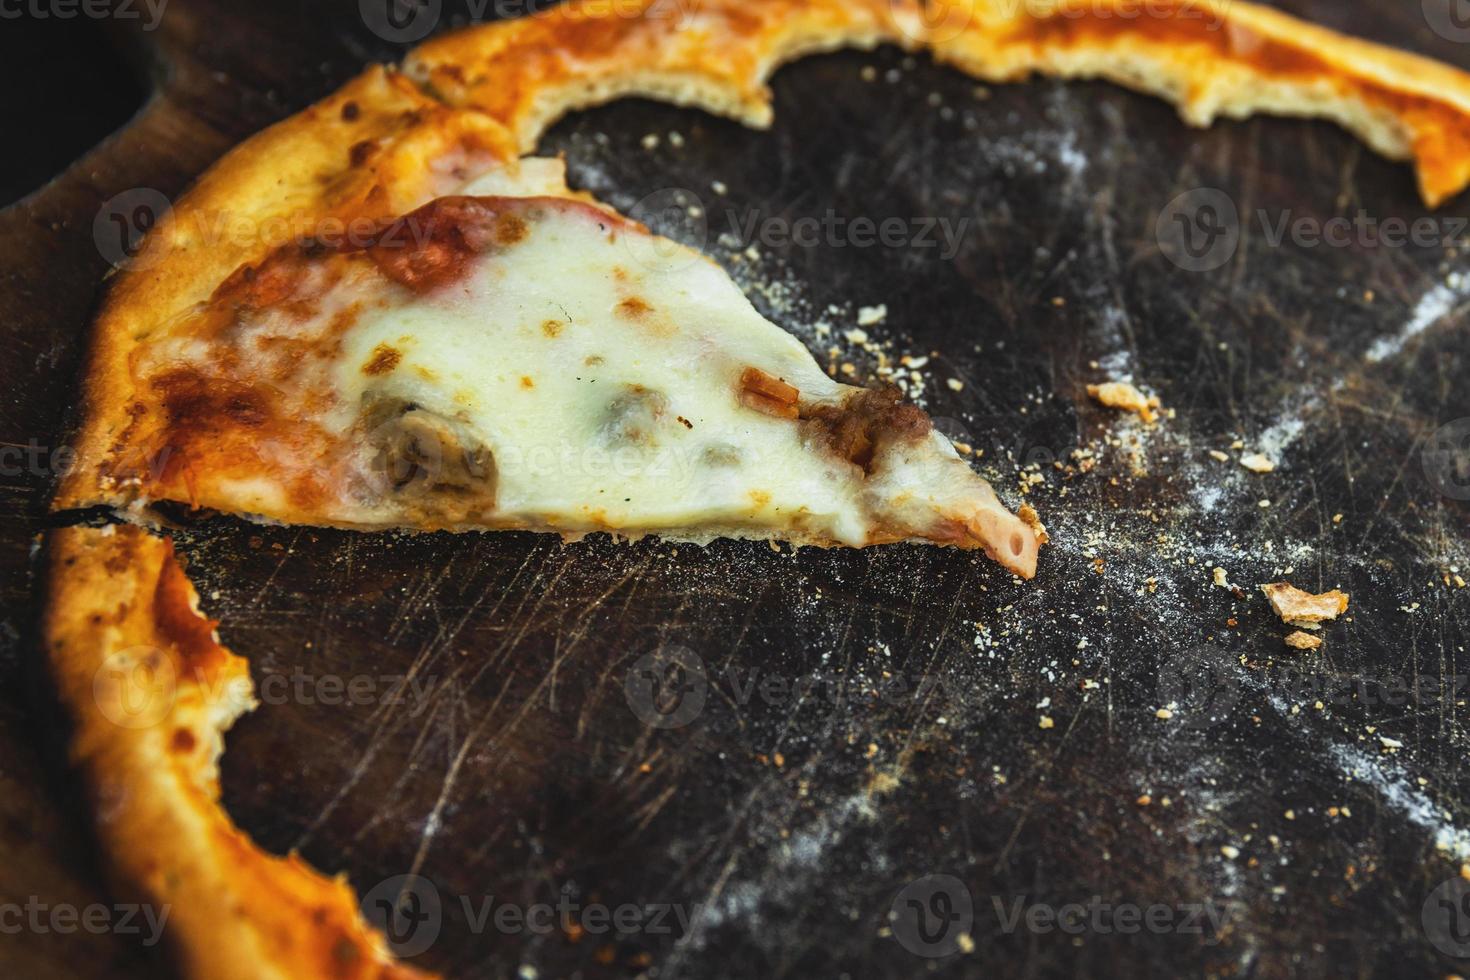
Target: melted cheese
537, 362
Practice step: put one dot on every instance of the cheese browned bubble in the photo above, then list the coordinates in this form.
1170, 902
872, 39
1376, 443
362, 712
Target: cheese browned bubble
539, 363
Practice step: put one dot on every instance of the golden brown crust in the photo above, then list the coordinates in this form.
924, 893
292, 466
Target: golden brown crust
714, 54
151, 693
373, 150
1226, 58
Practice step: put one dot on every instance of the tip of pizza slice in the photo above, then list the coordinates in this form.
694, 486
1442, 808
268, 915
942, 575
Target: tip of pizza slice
532, 363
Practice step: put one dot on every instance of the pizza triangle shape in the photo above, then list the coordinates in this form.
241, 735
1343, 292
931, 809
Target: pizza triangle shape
534, 363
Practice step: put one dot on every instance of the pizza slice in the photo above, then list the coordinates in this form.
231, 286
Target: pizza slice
534, 363
455, 340
1228, 58
151, 692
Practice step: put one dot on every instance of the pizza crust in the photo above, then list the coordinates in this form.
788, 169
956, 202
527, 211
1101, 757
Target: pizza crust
151, 693
713, 54
1215, 58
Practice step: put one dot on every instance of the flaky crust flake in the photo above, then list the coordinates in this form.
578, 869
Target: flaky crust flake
150, 693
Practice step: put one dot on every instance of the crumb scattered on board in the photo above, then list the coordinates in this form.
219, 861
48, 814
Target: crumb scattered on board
1298, 640
1298, 608
1124, 396
1257, 463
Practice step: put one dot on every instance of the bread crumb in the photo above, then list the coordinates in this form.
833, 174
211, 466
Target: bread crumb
1220, 578
1046, 722
1257, 463
650, 142
1122, 395
1218, 456
869, 315
1163, 714
1303, 641
1297, 607
1230, 852
1031, 519
955, 384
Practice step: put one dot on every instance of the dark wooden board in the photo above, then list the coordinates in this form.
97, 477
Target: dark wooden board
859, 729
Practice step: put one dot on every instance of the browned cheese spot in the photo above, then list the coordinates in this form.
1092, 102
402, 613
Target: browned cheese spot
384, 359
634, 308
510, 228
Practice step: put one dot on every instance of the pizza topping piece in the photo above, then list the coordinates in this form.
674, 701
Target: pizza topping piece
411, 380
772, 396
1300, 608
856, 429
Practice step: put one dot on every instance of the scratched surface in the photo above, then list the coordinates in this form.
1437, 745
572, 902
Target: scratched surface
476, 710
